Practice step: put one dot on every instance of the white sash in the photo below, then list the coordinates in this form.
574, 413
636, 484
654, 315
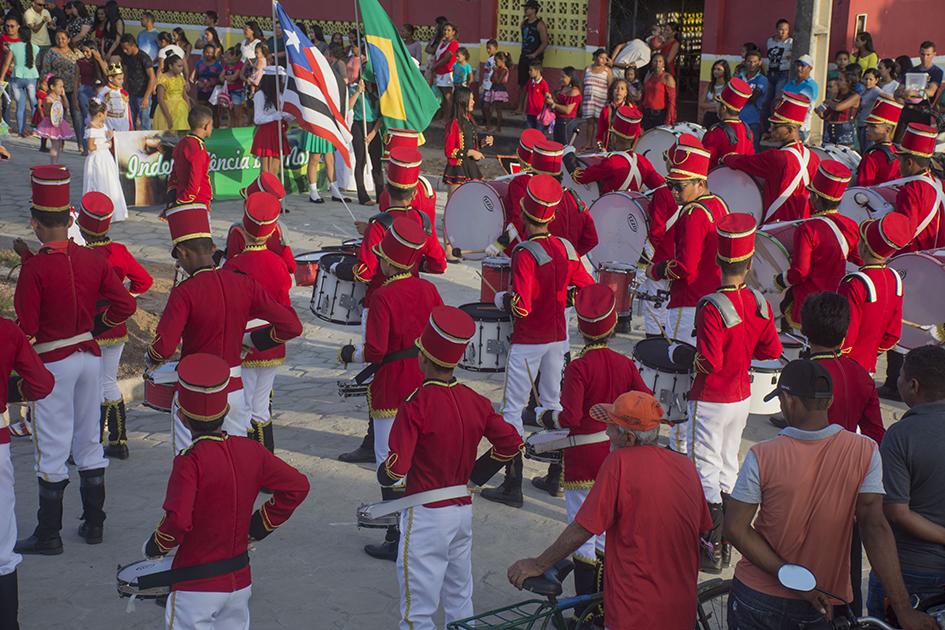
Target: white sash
56, 344
383, 508
802, 176
570, 441
634, 174
841, 239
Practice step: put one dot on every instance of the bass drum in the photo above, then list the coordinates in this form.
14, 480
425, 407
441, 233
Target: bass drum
475, 216
773, 247
861, 203
740, 191
655, 143
488, 350
923, 300
588, 193
845, 155
622, 220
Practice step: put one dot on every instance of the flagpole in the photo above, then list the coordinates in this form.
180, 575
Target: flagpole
357, 28
279, 88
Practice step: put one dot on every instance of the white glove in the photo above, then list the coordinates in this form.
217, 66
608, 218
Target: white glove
334, 266
499, 300
493, 249
512, 232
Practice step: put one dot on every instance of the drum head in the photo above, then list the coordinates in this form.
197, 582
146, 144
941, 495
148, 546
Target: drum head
474, 216
129, 574
622, 223
771, 258
769, 366
497, 262
330, 258
164, 374
860, 203
655, 143
310, 257
739, 191
588, 193
483, 312
618, 267
654, 353
923, 302
845, 155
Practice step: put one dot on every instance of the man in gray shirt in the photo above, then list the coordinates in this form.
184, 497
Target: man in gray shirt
913, 453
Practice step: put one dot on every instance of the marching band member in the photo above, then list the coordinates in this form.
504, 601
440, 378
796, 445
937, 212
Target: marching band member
236, 238
920, 198
208, 312
260, 214
880, 163
730, 134
433, 443
623, 168
517, 185
733, 326
822, 244
425, 198
598, 376
189, 181
787, 170
56, 304
399, 312
95, 215
693, 271
208, 508
33, 382
875, 291
543, 269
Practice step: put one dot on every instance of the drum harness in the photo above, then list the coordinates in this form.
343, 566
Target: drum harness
195, 572
802, 176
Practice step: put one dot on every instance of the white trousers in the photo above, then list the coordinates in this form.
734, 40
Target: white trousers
434, 565
8, 559
715, 434
235, 423
68, 419
257, 387
654, 319
525, 361
196, 610
382, 427
681, 324
573, 500
111, 357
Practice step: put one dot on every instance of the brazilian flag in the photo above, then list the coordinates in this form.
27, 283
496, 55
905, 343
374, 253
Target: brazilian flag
407, 101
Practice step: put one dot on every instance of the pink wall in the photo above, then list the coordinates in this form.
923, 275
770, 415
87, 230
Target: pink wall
897, 26
730, 23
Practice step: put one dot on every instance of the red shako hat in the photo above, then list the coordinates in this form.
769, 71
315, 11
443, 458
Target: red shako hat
736, 237
627, 122
919, 140
885, 112
50, 184
407, 138
266, 182
542, 196
202, 383
403, 168
526, 143
188, 221
687, 159
735, 94
546, 157
402, 243
596, 307
444, 339
886, 236
260, 214
95, 213
831, 180
792, 110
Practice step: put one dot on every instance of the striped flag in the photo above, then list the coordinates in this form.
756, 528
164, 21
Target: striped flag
314, 95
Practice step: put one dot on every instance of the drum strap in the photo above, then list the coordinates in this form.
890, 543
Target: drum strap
570, 441
898, 281
383, 508
56, 344
730, 316
871, 295
569, 248
936, 208
761, 302
841, 239
196, 572
536, 250
633, 176
371, 370
802, 177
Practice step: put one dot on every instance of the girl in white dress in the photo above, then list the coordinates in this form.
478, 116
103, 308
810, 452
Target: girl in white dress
101, 170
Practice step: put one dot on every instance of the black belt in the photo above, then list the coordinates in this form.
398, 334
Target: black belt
372, 369
196, 572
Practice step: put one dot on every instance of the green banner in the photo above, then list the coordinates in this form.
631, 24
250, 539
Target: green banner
145, 160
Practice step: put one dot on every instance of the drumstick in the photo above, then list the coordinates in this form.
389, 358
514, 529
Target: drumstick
345, 204
488, 284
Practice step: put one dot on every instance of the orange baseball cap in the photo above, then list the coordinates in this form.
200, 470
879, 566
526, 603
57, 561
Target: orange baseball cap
636, 411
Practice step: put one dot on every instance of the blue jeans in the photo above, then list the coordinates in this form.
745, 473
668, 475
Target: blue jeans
140, 116
919, 585
23, 88
750, 610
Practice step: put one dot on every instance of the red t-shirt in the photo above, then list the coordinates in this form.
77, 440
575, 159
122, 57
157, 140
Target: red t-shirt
649, 501
535, 99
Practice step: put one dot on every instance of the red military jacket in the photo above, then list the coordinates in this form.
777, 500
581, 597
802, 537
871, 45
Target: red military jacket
728, 136
208, 312
599, 375
664, 215
125, 266
57, 295
574, 223
368, 269
268, 269
543, 270
623, 170
16, 354
875, 296
236, 243
209, 504
919, 200
399, 312
693, 271
779, 169
424, 200
819, 261
436, 435
727, 340
855, 401
190, 175
879, 165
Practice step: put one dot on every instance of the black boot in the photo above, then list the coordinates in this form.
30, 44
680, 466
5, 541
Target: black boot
9, 602
117, 446
510, 492
585, 577
550, 483
103, 421
92, 489
262, 433
387, 550
45, 539
711, 557
364, 454
889, 390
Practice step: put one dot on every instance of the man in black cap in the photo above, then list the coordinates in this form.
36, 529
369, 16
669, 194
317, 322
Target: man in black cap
814, 478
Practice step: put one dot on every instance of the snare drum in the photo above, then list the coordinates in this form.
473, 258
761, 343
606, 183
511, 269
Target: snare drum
764, 378
475, 215
740, 191
669, 381
306, 268
655, 143
774, 244
620, 277
352, 389
845, 155
496, 276
336, 300
792, 346
159, 386
622, 220
534, 449
128, 576
861, 203
381, 522
488, 350
923, 300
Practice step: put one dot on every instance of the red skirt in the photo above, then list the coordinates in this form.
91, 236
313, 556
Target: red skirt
267, 137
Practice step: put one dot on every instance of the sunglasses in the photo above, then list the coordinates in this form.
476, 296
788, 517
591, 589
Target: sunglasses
677, 186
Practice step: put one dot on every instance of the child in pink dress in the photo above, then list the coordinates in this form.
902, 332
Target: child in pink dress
55, 123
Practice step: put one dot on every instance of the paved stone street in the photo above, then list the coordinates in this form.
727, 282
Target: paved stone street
312, 573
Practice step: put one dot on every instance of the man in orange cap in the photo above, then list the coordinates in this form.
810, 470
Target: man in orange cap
733, 326
260, 216
399, 312
208, 510
189, 181
920, 198
788, 170
730, 134
433, 443
236, 238
822, 244
95, 215
656, 549
880, 163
